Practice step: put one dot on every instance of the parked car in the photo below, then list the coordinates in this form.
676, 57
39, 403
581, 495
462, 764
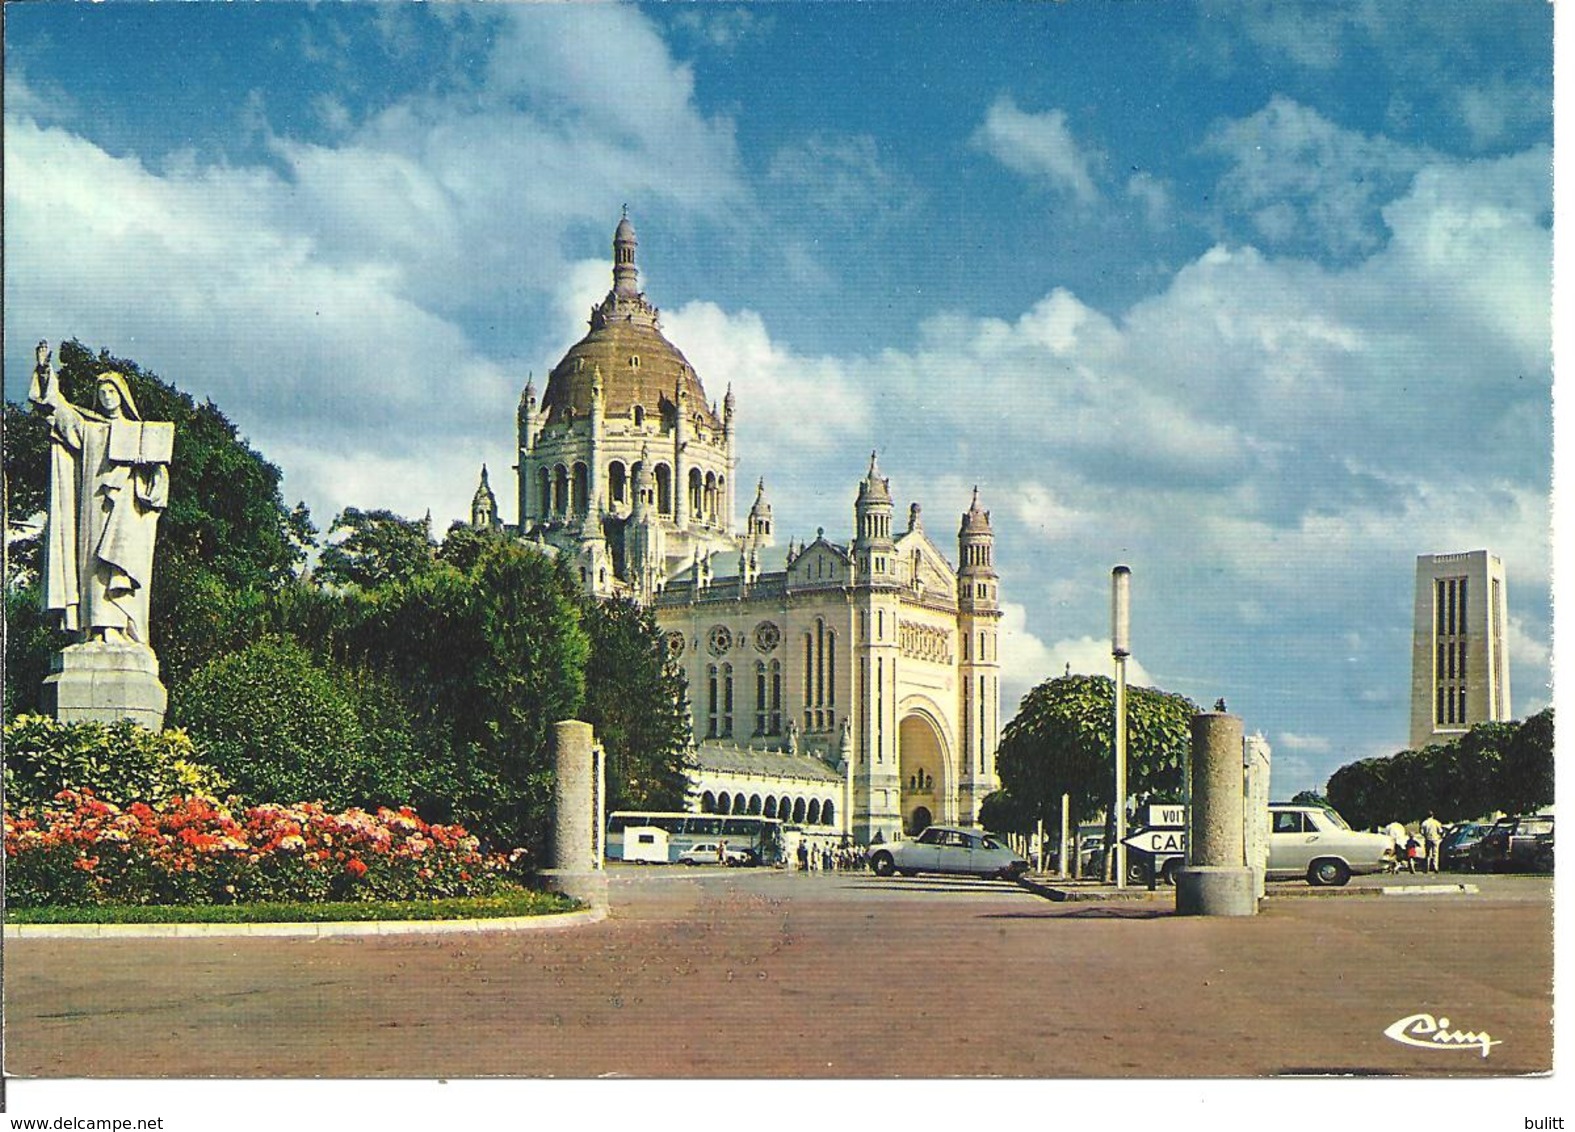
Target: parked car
711, 853
1459, 845
1316, 843
1091, 856
949, 849
1522, 843
1166, 866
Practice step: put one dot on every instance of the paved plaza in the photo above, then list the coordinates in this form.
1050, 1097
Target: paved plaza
757, 973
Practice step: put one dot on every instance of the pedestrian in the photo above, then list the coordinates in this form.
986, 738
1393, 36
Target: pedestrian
803, 856
1397, 837
1433, 838
1413, 852
721, 852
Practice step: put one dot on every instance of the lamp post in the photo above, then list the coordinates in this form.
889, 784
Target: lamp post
1120, 649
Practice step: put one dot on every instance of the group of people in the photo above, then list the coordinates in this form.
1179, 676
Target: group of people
1421, 847
825, 858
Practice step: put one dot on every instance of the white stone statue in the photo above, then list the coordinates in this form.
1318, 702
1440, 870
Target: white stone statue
108, 484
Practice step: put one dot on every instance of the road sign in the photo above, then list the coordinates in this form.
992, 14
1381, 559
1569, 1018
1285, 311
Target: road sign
1165, 815
1159, 841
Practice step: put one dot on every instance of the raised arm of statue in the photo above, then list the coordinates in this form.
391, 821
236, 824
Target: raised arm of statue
44, 394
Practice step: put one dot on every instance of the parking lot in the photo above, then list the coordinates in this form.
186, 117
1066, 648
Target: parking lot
711, 972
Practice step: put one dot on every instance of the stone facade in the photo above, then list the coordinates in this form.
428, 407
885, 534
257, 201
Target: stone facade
875, 656
1459, 663
852, 687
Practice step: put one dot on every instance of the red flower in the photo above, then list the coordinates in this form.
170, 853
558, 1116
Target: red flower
355, 867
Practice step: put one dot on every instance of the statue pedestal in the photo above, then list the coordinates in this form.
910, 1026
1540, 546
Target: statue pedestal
105, 682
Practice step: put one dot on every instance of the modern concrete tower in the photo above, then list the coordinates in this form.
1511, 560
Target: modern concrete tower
1459, 664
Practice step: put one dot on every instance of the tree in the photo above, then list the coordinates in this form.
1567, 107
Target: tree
283, 728
634, 698
1062, 741
1496, 765
378, 548
30, 638
1526, 780
1001, 812
485, 661
1309, 798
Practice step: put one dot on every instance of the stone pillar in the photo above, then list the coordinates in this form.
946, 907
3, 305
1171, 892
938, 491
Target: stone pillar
1216, 881
577, 860
106, 682
1255, 757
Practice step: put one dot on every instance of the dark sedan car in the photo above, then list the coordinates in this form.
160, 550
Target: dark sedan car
1460, 844
1517, 844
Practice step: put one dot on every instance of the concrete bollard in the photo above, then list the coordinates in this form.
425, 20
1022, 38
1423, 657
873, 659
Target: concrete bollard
577, 867
1216, 881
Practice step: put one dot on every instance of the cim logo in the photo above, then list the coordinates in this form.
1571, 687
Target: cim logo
1427, 1032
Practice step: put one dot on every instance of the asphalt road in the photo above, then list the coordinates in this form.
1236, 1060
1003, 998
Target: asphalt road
755, 973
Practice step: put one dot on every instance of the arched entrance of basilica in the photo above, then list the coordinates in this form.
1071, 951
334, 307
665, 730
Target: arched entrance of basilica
926, 778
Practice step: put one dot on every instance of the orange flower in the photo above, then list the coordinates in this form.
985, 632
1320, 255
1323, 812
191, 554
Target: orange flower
355, 867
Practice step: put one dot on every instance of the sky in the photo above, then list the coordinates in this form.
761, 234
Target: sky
1252, 298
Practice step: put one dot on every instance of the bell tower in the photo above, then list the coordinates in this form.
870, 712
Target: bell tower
979, 661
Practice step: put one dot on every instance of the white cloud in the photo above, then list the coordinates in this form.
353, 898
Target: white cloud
843, 179
1037, 508
322, 307
1291, 741
1090, 656
1040, 146
1025, 659
1152, 196
1525, 647
1299, 175
791, 405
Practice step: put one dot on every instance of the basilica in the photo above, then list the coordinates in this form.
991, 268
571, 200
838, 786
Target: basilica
849, 686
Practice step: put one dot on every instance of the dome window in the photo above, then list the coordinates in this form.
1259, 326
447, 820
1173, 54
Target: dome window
634, 361
638, 413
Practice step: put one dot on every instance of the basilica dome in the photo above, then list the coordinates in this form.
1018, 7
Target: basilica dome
639, 367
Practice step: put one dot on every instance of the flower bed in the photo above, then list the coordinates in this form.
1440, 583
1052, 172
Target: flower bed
84, 851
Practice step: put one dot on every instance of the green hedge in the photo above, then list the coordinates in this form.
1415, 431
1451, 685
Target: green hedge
119, 762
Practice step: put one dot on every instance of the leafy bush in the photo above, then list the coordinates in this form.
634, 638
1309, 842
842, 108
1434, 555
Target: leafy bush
119, 762
281, 726
84, 851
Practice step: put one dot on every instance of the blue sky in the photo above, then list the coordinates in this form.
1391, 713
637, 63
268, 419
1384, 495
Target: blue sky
1253, 298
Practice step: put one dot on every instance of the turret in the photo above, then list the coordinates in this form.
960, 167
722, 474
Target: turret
730, 442
484, 506
872, 542
680, 442
979, 662
626, 276
757, 527
594, 504
525, 427
645, 553
977, 582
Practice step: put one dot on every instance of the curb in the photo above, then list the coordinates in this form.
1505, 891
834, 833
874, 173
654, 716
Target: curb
303, 930
1431, 890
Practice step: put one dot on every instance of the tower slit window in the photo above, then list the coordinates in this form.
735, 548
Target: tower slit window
776, 697
760, 697
727, 701
711, 702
